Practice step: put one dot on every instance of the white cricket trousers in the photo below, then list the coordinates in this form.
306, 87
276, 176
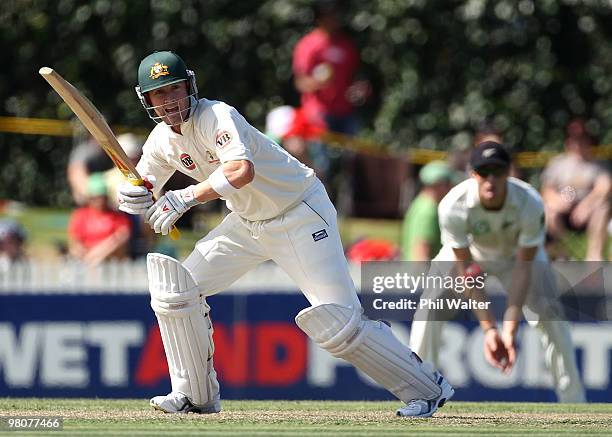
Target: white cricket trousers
425, 334
304, 241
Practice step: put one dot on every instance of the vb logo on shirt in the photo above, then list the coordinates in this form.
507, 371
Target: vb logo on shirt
223, 138
187, 161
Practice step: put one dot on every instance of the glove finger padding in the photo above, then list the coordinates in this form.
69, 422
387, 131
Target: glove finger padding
128, 190
169, 208
134, 199
178, 203
155, 211
133, 209
166, 222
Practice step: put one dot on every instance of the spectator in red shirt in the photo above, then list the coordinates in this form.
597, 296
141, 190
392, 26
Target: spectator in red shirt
97, 233
324, 64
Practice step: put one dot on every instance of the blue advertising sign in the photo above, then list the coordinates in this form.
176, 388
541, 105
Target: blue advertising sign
108, 345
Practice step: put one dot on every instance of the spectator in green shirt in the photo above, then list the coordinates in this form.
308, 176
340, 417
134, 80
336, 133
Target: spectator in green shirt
421, 232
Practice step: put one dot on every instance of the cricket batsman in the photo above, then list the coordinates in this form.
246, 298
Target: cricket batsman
493, 224
280, 211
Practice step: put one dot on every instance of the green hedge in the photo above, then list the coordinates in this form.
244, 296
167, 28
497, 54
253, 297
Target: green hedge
438, 68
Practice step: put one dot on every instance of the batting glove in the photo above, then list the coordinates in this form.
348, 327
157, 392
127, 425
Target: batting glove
135, 199
169, 208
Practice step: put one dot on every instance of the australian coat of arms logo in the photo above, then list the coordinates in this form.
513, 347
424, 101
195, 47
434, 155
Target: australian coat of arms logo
158, 70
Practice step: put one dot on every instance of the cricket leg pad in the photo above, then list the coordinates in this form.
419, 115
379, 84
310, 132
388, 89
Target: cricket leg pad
372, 348
560, 359
186, 331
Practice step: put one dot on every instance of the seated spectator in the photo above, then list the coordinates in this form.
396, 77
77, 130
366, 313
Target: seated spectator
86, 157
142, 236
576, 193
96, 233
421, 231
132, 146
12, 242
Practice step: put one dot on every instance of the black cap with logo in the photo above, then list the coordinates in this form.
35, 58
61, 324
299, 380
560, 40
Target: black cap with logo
489, 153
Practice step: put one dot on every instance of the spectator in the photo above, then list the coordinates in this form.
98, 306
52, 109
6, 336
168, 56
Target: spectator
132, 146
576, 193
141, 237
421, 232
86, 158
289, 127
97, 233
12, 241
324, 64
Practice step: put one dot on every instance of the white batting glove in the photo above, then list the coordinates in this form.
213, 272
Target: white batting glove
169, 208
135, 199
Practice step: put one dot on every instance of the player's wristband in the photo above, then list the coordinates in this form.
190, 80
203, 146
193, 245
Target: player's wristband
220, 184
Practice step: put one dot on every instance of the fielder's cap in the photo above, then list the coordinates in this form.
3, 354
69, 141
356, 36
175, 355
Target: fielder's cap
11, 229
435, 172
489, 153
96, 185
160, 69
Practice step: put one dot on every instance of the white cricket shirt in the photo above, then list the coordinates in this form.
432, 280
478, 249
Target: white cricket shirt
492, 235
214, 134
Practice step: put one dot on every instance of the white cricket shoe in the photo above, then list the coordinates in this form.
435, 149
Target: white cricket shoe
423, 408
176, 402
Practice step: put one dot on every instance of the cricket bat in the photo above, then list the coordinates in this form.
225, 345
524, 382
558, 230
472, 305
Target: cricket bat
97, 126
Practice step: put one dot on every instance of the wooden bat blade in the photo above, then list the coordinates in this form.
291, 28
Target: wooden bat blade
97, 126
92, 119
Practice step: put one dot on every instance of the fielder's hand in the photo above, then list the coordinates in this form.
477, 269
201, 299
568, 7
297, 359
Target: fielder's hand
496, 352
509, 339
135, 199
169, 208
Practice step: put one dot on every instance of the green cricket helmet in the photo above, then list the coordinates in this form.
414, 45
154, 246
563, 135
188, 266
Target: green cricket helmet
158, 70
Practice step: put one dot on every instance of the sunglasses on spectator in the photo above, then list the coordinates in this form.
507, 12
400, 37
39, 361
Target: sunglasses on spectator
494, 170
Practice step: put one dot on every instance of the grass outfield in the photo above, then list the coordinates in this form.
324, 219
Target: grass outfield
106, 417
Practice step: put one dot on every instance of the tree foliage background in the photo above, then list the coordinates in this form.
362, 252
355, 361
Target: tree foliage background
439, 68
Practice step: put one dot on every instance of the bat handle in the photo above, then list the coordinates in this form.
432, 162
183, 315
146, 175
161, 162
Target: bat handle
175, 234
